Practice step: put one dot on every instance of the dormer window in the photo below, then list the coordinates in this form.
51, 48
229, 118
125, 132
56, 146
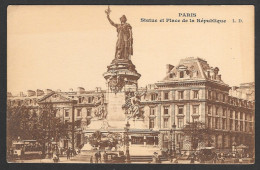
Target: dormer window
181, 74
90, 99
154, 96
208, 73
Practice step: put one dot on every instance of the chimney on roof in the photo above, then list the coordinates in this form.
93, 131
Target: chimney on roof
31, 93
98, 89
169, 67
21, 94
48, 91
81, 90
9, 94
234, 88
39, 92
71, 90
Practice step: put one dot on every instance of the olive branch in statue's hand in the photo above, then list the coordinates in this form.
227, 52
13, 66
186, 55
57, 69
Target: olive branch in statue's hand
108, 11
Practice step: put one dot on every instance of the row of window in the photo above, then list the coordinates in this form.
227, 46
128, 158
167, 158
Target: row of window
211, 95
195, 110
225, 98
181, 75
166, 124
154, 96
78, 112
224, 113
88, 99
20, 102
233, 125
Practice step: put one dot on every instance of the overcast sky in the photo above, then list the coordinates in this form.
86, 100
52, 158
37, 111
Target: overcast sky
62, 47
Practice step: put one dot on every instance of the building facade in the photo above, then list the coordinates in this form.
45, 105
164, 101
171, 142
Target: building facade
191, 91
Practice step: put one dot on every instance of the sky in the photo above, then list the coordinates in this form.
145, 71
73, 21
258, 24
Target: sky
63, 47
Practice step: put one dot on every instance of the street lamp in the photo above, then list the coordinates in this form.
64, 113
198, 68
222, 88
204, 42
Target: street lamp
173, 139
127, 126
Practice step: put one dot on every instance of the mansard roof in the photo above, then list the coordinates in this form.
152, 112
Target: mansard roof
55, 97
193, 69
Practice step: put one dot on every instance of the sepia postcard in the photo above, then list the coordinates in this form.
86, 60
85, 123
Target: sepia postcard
130, 84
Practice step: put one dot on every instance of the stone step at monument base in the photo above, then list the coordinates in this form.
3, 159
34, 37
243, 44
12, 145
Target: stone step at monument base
143, 150
83, 158
145, 158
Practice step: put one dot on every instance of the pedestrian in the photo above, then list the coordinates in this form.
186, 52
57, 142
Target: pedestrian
223, 160
99, 156
105, 156
58, 153
215, 158
192, 160
91, 159
68, 153
156, 158
55, 158
71, 152
96, 157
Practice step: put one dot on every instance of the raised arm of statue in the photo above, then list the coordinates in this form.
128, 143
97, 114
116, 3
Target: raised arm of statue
111, 22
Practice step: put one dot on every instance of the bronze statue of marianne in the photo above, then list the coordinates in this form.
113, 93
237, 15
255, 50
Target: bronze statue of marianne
124, 44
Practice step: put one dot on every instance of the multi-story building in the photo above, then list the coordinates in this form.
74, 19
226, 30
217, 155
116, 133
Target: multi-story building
191, 91
194, 91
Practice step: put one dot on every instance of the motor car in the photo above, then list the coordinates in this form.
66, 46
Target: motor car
207, 155
114, 157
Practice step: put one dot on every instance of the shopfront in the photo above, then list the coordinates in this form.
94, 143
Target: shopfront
144, 139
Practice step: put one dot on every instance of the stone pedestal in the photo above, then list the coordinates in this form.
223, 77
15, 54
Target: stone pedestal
121, 77
137, 124
114, 107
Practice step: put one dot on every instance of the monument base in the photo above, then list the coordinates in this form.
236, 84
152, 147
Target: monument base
137, 124
105, 125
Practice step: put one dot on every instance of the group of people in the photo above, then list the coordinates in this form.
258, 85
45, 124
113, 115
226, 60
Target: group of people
97, 157
156, 158
70, 152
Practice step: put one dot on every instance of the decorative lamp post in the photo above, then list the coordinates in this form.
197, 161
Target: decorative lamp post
173, 129
171, 132
127, 126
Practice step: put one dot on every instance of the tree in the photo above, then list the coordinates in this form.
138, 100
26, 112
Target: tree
24, 122
110, 140
21, 121
95, 138
50, 128
197, 132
